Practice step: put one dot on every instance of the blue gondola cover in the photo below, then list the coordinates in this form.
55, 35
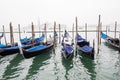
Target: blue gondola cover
36, 48
68, 49
86, 49
103, 35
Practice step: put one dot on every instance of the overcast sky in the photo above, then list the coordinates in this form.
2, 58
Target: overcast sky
63, 11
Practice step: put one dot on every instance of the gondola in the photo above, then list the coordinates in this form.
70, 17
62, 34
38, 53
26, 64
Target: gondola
55, 35
15, 49
36, 50
112, 41
84, 47
67, 46
25, 40
1, 44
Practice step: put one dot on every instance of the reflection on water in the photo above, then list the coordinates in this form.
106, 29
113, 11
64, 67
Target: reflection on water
68, 64
4, 62
89, 65
106, 63
110, 46
117, 69
12, 70
38, 62
52, 66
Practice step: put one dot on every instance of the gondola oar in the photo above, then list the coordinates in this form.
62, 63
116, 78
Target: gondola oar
20, 47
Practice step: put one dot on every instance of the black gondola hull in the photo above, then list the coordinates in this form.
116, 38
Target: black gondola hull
10, 50
4, 52
29, 54
67, 55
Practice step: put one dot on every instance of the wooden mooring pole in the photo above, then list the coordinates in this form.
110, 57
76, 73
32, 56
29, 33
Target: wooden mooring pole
59, 34
119, 41
39, 26
45, 32
4, 35
19, 31
115, 28
100, 31
73, 34
99, 23
54, 34
33, 34
94, 46
106, 30
76, 23
86, 31
11, 35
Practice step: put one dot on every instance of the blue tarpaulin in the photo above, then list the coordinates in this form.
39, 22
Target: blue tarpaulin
36, 48
68, 49
2, 45
103, 35
86, 49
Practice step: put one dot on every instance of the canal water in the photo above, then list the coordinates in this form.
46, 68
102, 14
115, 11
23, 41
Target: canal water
52, 66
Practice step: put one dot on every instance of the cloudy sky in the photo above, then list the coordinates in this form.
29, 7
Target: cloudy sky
62, 11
